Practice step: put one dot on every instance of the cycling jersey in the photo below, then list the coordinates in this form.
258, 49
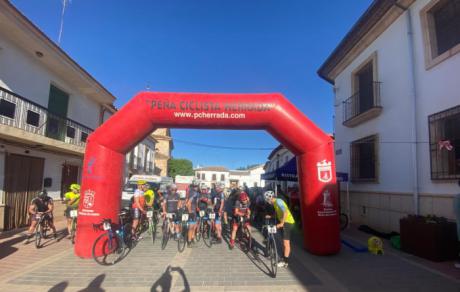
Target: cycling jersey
42, 204
138, 194
243, 207
218, 201
172, 201
149, 196
72, 196
281, 208
203, 201
193, 198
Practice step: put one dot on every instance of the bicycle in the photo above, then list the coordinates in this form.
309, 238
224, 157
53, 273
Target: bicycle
243, 235
152, 219
183, 232
109, 247
166, 229
42, 227
270, 244
73, 226
205, 227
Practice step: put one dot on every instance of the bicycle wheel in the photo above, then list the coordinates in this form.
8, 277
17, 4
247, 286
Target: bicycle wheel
107, 250
198, 228
73, 230
273, 253
38, 234
207, 238
343, 221
182, 238
247, 239
165, 238
152, 230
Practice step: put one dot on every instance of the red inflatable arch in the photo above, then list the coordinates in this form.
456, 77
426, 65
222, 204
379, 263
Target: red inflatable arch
107, 146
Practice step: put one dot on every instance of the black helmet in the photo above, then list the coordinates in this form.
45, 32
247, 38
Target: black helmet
43, 194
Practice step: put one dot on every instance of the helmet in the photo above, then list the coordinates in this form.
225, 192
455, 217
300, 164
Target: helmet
141, 182
244, 196
75, 187
43, 194
269, 195
147, 185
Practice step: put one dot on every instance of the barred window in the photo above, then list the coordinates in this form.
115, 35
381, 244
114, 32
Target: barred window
222, 177
364, 159
214, 178
445, 144
446, 18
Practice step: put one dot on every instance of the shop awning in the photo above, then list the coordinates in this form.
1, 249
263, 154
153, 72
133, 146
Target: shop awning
287, 172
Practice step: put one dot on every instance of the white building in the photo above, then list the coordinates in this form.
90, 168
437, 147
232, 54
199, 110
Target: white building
141, 160
397, 110
48, 107
213, 174
276, 159
250, 177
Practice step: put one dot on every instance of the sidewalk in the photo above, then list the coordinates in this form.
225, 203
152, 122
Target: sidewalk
148, 268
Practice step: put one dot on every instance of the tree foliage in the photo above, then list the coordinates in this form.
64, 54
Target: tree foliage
179, 167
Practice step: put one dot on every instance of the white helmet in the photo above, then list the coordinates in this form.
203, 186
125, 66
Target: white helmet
269, 195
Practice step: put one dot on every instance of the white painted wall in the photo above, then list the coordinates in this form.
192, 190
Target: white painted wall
52, 168
24, 75
437, 90
208, 177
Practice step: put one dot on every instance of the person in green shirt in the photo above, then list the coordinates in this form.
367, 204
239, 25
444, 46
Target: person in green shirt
285, 223
149, 196
72, 200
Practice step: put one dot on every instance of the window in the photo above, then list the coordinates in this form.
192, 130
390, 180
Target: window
364, 103
364, 159
445, 144
70, 132
214, 178
7, 108
84, 136
222, 177
197, 175
441, 29
203, 177
33, 118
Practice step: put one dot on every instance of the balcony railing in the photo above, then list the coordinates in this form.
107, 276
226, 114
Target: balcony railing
362, 106
19, 112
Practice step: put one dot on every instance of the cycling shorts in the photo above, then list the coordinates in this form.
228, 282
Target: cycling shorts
287, 229
192, 218
235, 222
48, 215
68, 209
136, 213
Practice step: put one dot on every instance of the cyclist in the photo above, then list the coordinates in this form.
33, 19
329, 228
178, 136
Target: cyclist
229, 204
72, 200
149, 196
192, 204
285, 223
138, 206
218, 204
241, 210
42, 204
171, 204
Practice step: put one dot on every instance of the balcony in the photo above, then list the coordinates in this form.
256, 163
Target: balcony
53, 131
362, 106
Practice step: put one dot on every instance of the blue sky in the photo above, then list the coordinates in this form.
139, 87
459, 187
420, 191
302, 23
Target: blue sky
234, 46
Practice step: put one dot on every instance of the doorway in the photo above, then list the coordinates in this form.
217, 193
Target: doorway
23, 180
69, 176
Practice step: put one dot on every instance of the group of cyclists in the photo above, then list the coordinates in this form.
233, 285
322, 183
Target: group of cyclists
229, 210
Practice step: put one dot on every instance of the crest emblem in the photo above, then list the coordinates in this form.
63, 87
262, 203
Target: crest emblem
324, 171
88, 201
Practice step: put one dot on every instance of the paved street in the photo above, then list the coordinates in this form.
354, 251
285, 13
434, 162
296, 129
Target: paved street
148, 268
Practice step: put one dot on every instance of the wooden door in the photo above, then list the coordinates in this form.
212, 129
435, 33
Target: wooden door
23, 180
69, 176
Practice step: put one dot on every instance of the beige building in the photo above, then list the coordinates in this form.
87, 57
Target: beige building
163, 149
49, 105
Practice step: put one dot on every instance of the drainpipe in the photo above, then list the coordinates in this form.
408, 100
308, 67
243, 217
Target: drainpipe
413, 96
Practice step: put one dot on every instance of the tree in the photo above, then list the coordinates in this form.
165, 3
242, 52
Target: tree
179, 167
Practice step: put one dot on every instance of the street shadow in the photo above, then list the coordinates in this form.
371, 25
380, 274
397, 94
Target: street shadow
7, 248
59, 287
255, 256
49, 240
164, 283
95, 285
